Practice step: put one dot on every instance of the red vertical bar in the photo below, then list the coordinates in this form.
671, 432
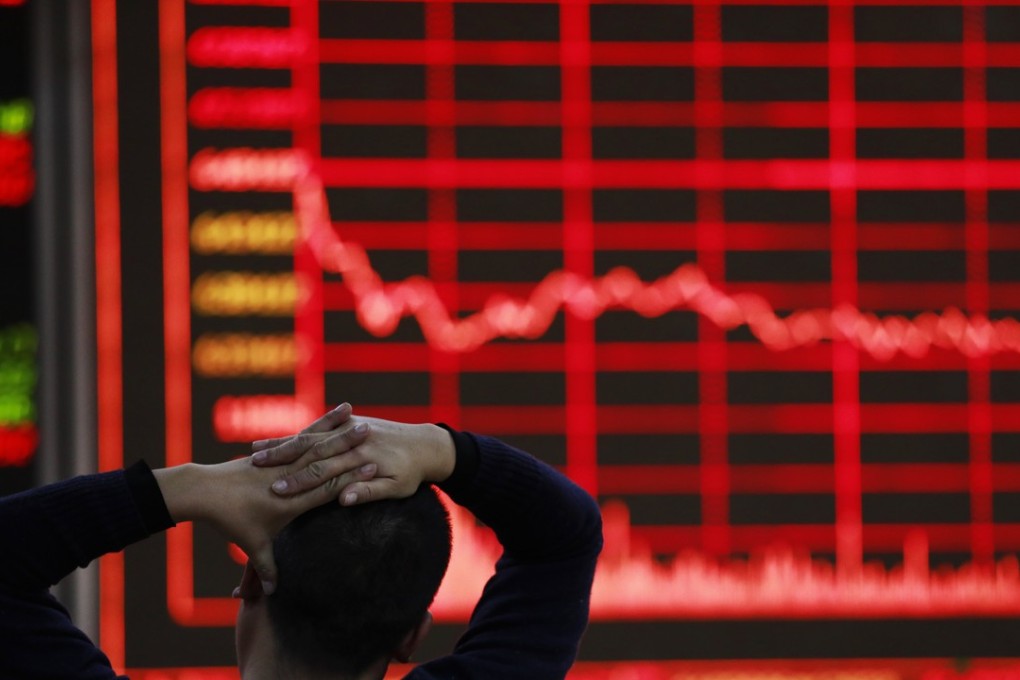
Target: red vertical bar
846, 421
975, 114
440, 111
176, 287
309, 375
109, 371
710, 238
176, 244
578, 241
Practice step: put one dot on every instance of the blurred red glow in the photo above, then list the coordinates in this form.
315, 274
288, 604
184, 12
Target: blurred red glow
244, 47
17, 445
17, 178
229, 107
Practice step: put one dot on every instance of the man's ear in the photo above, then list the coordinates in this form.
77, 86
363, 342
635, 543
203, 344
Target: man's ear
251, 586
413, 638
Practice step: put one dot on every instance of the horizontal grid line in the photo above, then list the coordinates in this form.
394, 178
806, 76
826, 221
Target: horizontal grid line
899, 418
701, 54
813, 478
700, 174
627, 236
783, 114
546, 356
812, 3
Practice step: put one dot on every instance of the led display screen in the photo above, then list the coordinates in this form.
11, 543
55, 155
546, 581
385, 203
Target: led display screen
746, 272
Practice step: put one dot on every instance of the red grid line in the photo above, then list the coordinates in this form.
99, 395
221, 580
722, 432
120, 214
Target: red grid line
578, 245
845, 366
902, 418
898, 418
711, 246
681, 174
109, 328
696, 3
803, 478
700, 53
176, 291
355, 357
442, 238
310, 378
914, 236
975, 59
677, 114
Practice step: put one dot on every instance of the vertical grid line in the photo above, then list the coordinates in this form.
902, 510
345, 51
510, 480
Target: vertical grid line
975, 126
710, 237
846, 422
578, 240
309, 319
176, 288
109, 325
444, 376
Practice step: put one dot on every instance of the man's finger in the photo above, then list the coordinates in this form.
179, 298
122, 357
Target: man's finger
328, 492
340, 442
319, 472
304, 448
338, 416
263, 444
288, 451
283, 450
265, 567
366, 492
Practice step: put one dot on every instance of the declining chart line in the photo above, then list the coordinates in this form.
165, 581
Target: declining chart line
380, 306
630, 582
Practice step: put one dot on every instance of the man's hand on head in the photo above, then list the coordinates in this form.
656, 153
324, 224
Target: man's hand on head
236, 498
404, 457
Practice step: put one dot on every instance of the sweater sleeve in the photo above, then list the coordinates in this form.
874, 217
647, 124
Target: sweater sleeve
45, 534
56, 528
534, 609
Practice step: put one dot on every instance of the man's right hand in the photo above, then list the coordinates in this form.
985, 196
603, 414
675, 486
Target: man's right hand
405, 456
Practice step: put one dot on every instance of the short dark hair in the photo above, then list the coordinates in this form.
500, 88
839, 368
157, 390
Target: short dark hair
353, 581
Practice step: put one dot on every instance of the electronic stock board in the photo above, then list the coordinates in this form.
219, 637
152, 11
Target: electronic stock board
747, 273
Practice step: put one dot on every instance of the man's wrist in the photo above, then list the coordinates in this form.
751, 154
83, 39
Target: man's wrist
442, 455
183, 491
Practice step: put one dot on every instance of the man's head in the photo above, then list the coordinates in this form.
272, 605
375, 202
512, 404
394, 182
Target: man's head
355, 583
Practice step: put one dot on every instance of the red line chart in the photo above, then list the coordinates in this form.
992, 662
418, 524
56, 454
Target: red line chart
381, 305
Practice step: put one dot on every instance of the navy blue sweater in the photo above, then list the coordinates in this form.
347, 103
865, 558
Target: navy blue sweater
527, 623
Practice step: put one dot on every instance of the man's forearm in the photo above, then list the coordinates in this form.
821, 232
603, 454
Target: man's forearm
535, 511
534, 609
56, 528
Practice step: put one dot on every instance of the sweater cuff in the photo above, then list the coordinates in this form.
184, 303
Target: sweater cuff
466, 465
147, 497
